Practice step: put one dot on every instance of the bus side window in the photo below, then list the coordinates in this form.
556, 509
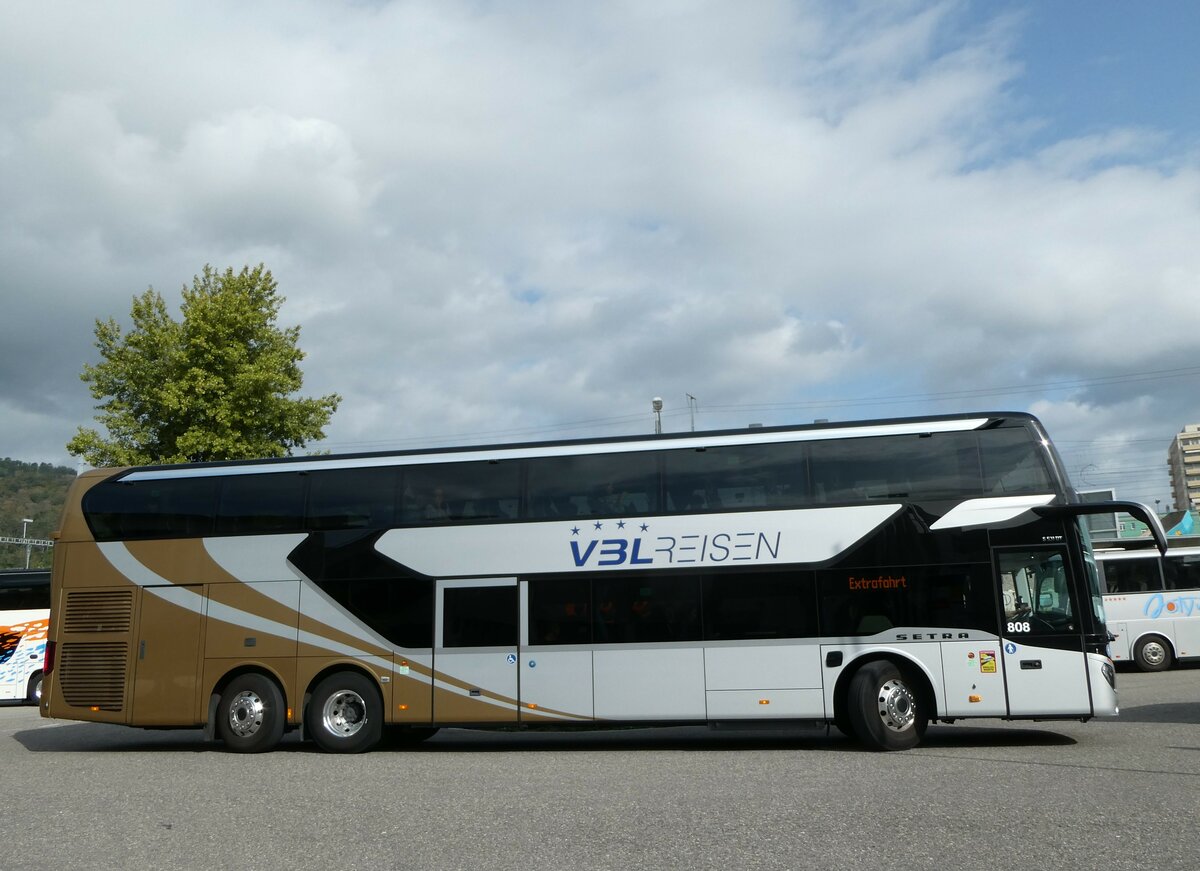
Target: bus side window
1132, 576
1182, 573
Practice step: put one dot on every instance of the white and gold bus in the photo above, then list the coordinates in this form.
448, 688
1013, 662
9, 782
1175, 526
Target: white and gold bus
876, 576
1152, 601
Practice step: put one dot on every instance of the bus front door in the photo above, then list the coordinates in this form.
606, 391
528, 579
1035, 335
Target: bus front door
475, 651
1045, 667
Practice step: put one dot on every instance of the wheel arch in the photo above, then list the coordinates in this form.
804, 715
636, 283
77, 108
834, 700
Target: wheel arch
912, 669
334, 668
218, 687
1156, 633
1153, 633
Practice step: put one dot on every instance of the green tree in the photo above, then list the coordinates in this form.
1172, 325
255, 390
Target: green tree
218, 385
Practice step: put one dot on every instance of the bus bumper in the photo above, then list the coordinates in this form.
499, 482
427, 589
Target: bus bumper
1103, 679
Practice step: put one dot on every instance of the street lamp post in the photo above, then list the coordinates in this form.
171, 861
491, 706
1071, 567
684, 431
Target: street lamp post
25, 521
656, 404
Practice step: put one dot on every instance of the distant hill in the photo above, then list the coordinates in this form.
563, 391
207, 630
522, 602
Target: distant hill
36, 491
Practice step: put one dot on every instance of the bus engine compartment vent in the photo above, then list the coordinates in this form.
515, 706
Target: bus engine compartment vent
98, 611
92, 674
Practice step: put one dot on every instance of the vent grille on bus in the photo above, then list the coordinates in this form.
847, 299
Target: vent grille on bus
91, 674
98, 611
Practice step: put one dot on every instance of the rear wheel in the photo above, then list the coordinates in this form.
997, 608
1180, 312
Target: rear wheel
250, 715
33, 695
884, 710
1152, 653
345, 714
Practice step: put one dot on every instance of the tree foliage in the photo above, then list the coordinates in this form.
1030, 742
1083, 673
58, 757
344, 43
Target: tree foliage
36, 491
218, 385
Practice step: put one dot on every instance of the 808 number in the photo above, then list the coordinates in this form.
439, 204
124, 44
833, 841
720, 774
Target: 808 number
1018, 626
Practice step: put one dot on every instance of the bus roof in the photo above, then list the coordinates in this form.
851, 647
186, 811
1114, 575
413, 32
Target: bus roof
610, 444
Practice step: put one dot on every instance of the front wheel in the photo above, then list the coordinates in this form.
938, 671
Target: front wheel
345, 714
1152, 653
884, 710
250, 715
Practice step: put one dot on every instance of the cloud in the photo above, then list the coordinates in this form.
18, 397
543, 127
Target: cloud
515, 220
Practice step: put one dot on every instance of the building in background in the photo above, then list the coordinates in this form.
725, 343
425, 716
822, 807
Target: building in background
1103, 526
1183, 462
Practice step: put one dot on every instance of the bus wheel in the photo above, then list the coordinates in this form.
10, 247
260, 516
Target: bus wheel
345, 714
34, 694
250, 714
884, 711
1152, 653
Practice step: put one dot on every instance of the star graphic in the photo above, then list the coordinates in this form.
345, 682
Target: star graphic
620, 524
574, 530
599, 525
644, 527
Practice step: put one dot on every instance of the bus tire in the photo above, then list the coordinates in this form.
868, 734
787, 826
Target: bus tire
1152, 653
345, 713
250, 715
884, 709
33, 695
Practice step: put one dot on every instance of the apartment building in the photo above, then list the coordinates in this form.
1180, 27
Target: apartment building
1183, 462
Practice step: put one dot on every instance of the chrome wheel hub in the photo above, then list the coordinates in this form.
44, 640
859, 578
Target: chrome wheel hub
1154, 653
246, 714
344, 713
897, 706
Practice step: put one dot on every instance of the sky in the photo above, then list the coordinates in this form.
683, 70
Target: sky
506, 222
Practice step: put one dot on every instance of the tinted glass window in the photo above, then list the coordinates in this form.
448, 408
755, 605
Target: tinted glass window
352, 498
646, 609
560, 611
736, 478
448, 492
261, 503
1013, 462
1036, 591
869, 601
399, 609
603, 484
167, 508
941, 465
479, 616
26, 597
749, 606
1183, 573
1131, 575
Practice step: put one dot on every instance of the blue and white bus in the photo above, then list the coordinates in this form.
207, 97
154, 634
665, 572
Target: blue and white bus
1152, 601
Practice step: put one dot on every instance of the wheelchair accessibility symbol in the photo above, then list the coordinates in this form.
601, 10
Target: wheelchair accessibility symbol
512, 659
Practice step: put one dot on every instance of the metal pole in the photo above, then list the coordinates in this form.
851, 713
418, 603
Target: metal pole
25, 521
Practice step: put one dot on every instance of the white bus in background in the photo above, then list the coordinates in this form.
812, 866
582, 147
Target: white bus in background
1152, 603
24, 625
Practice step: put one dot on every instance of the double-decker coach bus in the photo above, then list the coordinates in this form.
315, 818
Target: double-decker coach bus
1153, 603
24, 618
875, 575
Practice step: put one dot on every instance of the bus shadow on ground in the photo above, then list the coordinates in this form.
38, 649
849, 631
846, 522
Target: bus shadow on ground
703, 738
1169, 712
102, 738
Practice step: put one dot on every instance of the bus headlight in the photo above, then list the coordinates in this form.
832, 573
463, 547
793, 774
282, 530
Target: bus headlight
1109, 674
